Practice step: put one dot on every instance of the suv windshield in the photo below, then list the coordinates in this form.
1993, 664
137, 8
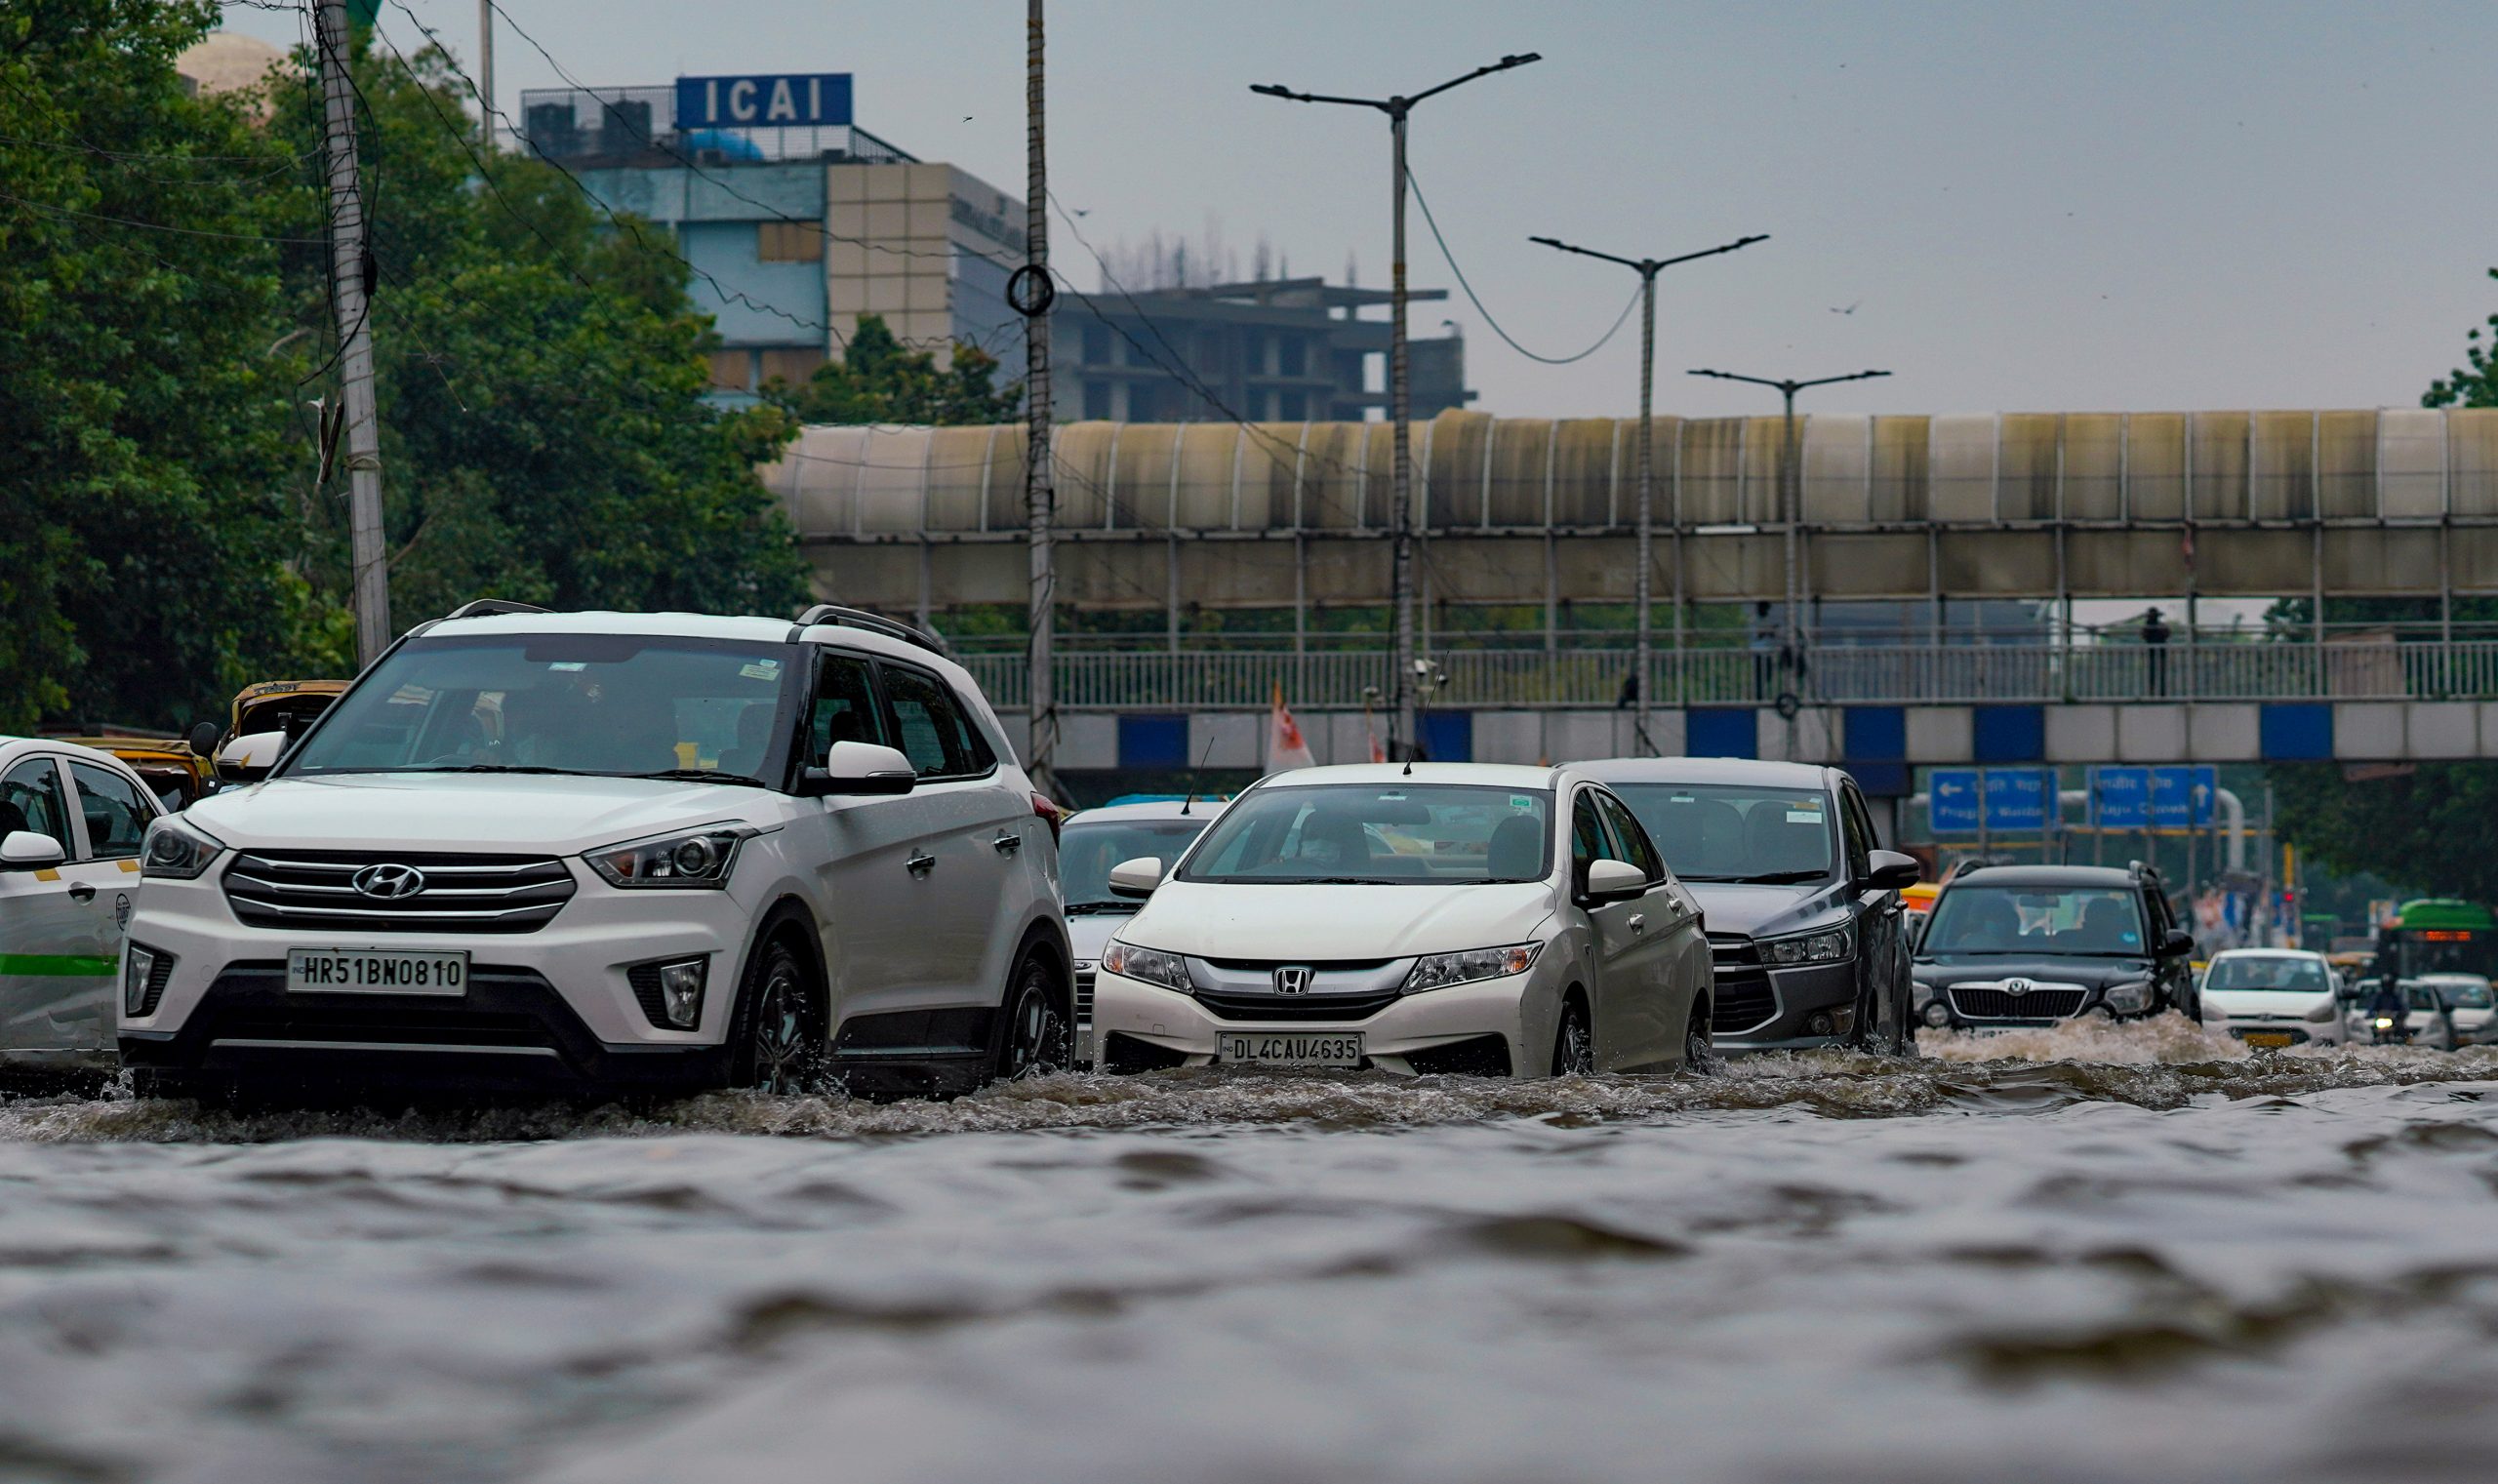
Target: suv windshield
1376, 834
601, 703
1087, 852
2035, 919
1721, 832
2300, 974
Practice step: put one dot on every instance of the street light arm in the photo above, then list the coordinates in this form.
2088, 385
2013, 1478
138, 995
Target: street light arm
1502, 66
1740, 242
1556, 242
1853, 376
1275, 90
1728, 376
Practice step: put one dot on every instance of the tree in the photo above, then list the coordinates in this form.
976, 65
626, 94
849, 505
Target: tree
2475, 383
879, 380
144, 414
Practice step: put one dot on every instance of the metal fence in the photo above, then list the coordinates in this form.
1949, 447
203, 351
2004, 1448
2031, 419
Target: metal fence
1858, 674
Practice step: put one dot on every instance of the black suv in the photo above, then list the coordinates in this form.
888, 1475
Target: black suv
1802, 910
2010, 945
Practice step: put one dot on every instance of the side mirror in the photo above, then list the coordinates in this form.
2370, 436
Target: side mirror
203, 739
856, 767
249, 759
1137, 878
2176, 945
23, 850
1614, 881
1890, 872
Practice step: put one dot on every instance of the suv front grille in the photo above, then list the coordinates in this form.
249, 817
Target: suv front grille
1744, 1002
2037, 1005
462, 893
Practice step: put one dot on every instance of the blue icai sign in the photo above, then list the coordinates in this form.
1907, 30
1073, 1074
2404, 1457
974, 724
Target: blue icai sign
769, 101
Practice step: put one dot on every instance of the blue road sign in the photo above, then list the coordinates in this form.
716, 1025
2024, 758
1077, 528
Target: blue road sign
2121, 798
2020, 801
1952, 801
2181, 797
770, 100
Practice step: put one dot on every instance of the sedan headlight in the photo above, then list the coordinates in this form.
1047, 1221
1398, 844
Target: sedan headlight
178, 850
1152, 965
1829, 947
2132, 997
1439, 971
692, 858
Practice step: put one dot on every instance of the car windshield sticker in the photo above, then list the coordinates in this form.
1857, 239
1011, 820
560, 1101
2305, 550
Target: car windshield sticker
1523, 801
1804, 812
761, 669
569, 665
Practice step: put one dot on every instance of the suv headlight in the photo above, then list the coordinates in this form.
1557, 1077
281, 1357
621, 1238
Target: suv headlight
692, 858
1439, 971
2132, 997
178, 850
1152, 965
1827, 946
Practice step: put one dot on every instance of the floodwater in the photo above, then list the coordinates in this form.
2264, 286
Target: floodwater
2086, 1255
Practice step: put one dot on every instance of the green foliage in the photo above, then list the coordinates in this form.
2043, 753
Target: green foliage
140, 544
2429, 828
166, 532
2474, 384
879, 380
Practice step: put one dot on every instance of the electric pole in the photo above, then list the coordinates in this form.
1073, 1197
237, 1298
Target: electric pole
1039, 493
1401, 560
348, 260
486, 70
1646, 645
1790, 500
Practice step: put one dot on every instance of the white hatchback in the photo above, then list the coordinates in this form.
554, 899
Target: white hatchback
71, 822
616, 852
2272, 997
1434, 918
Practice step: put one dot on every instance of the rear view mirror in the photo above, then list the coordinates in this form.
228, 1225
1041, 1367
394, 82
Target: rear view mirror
1890, 872
1615, 881
858, 768
2176, 945
249, 759
23, 850
1135, 878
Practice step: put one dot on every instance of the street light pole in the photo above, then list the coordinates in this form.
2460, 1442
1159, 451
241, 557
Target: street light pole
1790, 500
1401, 559
1648, 269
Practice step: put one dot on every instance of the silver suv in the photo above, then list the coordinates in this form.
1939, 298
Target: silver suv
615, 853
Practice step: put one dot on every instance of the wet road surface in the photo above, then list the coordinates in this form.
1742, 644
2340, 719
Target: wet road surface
2086, 1255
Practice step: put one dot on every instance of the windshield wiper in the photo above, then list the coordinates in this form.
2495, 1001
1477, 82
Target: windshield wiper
494, 768
703, 775
1091, 908
1771, 879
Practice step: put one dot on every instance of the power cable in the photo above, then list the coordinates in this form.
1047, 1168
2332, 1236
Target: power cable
1618, 320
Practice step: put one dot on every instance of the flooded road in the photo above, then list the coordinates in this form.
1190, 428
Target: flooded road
2085, 1255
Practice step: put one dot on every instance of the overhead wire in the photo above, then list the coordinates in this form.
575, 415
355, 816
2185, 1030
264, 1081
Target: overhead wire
1470, 296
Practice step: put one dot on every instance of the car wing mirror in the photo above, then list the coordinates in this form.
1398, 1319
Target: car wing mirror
203, 739
858, 768
248, 759
1614, 881
23, 850
1136, 879
2176, 945
1890, 872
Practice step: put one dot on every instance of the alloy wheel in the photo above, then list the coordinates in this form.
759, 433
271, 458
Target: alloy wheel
1574, 1049
782, 1049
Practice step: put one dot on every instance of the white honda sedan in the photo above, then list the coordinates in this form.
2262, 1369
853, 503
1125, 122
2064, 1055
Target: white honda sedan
1447, 917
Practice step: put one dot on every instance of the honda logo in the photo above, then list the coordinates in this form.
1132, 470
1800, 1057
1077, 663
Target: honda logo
1295, 979
2016, 987
390, 881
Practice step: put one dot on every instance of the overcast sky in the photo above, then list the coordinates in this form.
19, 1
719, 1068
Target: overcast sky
2031, 206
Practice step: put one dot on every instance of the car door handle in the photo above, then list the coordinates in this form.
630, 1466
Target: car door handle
80, 891
1008, 842
922, 865
1638, 923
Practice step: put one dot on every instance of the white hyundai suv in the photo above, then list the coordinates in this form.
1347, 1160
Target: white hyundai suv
600, 852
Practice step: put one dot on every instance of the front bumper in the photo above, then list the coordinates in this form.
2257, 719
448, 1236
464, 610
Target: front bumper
225, 1005
1741, 1021
1522, 1010
2300, 1032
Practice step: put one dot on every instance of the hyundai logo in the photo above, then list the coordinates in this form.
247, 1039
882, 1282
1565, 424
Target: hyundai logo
1295, 979
2016, 987
390, 881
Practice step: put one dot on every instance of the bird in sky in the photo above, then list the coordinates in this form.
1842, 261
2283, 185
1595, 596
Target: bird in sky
1850, 310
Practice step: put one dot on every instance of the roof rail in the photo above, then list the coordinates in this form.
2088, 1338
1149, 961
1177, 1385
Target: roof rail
873, 623
486, 608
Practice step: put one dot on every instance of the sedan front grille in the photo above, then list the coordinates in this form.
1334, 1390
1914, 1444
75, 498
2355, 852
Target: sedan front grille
460, 894
1295, 1007
1991, 1003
